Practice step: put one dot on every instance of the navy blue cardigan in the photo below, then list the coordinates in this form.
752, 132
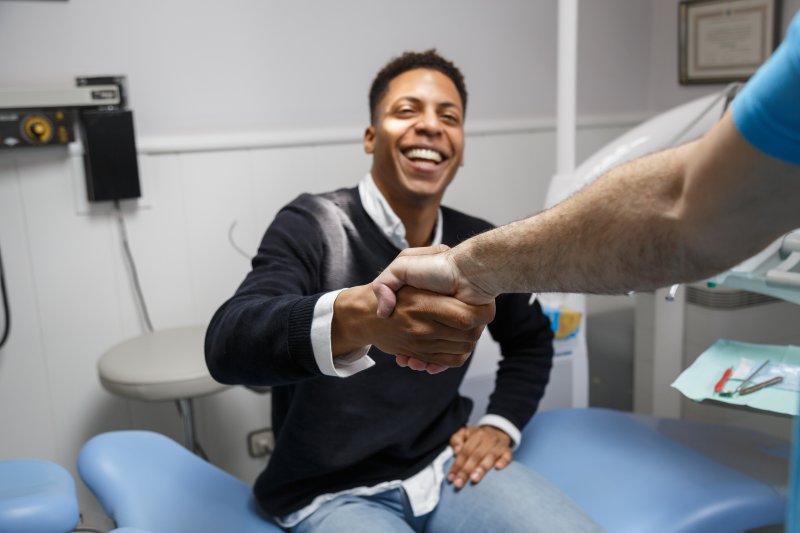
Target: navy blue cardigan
383, 423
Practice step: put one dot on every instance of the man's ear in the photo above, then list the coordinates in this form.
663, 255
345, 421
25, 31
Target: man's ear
369, 140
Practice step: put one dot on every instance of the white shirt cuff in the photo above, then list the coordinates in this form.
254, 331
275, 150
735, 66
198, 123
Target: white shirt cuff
343, 366
502, 423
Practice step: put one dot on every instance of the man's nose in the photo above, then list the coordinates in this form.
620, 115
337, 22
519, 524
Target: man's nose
429, 122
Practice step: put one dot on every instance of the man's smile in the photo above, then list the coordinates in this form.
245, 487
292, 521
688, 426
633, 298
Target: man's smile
424, 154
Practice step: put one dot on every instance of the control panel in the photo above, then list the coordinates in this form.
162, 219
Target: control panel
41, 117
96, 106
36, 127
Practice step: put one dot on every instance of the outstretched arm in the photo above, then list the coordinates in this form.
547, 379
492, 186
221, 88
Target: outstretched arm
679, 215
675, 216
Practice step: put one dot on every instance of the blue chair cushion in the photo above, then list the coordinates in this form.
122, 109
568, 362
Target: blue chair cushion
147, 482
630, 477
37, 497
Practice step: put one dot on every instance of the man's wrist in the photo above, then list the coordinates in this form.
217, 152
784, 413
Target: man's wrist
503, 424
467, 262
508, 440
350, 310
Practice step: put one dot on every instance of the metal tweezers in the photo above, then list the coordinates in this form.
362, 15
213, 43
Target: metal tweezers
744, 383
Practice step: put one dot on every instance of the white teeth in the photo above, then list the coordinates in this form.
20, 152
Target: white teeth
424, 153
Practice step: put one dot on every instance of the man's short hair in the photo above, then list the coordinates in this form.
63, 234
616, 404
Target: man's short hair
429, 59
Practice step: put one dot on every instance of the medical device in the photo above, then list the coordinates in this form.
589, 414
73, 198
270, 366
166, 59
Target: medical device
97, 106
41, 117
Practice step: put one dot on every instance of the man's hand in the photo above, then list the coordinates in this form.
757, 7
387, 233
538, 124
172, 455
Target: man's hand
432, 268
478, 449
431, 328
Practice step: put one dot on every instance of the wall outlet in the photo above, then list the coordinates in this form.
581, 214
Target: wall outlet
260, 442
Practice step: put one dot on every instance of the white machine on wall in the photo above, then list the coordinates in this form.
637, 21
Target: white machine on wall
94, 112
35, 118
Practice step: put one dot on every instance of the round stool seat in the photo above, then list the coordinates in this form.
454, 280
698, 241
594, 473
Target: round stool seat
162, 365
37, 497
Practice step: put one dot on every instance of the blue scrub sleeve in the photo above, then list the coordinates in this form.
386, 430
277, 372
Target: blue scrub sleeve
767, 110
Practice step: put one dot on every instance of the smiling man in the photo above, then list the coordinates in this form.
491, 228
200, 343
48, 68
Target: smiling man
362, 444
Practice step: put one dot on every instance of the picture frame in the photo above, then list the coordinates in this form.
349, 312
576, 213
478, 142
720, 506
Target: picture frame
724, 41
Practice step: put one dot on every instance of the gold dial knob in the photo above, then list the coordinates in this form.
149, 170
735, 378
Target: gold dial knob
37, 129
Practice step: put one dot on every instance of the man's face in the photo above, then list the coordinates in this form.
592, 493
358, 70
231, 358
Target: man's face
417, 139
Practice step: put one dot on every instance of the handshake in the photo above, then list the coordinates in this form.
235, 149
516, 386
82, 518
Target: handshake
443, 309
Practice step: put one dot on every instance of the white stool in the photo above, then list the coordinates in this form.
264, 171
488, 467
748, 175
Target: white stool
163, 365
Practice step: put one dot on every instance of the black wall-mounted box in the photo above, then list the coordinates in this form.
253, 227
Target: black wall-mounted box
112, 171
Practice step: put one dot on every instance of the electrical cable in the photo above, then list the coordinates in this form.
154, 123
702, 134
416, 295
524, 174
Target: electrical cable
6, 311
233, 242
132, 265
198, 448
140, 298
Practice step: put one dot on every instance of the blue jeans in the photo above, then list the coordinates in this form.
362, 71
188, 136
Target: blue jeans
515, 499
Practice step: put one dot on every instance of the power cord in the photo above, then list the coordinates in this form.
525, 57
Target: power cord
235, 246
132, 266
140, 297
6, 312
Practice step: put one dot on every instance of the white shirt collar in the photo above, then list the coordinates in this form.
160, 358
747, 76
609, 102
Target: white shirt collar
386, 219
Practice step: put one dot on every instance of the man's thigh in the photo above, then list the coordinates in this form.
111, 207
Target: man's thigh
356, 514
515, 499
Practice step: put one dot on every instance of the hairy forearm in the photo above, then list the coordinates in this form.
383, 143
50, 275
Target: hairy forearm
618, 234
676, 216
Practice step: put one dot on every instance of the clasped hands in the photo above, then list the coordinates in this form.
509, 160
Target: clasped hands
449, 299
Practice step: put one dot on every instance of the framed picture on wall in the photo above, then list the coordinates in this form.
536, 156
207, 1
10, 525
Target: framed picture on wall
722, 41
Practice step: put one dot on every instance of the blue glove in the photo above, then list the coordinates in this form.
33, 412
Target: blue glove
767, 110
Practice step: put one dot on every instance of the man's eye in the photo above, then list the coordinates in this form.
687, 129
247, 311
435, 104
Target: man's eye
451, 118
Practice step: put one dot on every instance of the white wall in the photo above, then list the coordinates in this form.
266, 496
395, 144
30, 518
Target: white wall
613, 52
282, 86
202, 66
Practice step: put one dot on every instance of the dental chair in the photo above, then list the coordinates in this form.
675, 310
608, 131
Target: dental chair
634, 473
37, 497
630, 473
148, 483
